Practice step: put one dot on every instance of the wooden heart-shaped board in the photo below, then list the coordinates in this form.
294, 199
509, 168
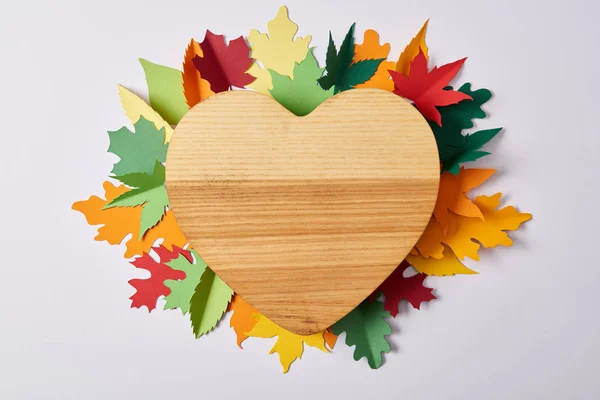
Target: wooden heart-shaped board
303, 216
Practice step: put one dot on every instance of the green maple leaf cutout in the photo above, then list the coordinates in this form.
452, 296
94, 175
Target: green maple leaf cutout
149, 192
366, 327
302, 94
455, 148
183, 290
208, 303
139, 151
341, 73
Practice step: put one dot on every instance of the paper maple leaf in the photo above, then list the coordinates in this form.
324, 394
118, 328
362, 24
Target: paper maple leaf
448, 264
224, 66
426, 89
411, 50
396, 287
150, 289
242, 319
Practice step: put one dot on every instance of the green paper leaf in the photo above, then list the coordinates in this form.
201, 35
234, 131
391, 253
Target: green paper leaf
209, 302
302, 94
154, 209
183, 290
467, 151
366, 327
165, 89
139, 151
341, 74
460, 116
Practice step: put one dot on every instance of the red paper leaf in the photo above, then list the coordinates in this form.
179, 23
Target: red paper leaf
149, 290
396, 287
426, 89
224, 65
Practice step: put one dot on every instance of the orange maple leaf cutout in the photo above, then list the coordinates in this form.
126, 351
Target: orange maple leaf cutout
426, 88
451, 194
195, 88
370, 49
412, 50
119, 222
242, 320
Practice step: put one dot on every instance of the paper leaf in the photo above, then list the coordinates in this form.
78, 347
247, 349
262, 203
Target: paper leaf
289, 346
195, 89
371, 49
183, 289
135, 107
242, 319
412, 50
330, 338
277, 51
341, 73
224, 66
447, 265
139, 151
208, 303
118, 222
426, 89
465, 149
165, 89
396, 287
452, 194
464, 231
150, 289
302, 94
457, 117
366, 327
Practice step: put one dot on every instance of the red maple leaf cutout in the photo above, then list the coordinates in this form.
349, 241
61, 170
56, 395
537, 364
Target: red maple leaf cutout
224, 65
396, 287
149, 290
426, 89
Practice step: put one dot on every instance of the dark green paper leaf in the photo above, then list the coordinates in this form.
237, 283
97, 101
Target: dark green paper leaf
468, 150
358, 73
208, 303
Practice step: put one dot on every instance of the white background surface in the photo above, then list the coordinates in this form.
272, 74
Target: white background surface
527, 327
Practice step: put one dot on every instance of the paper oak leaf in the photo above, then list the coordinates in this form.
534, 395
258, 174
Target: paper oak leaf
302, 94
182, 290
397, 287
447, 265
118, 222
165, 91
224, 66
371, 49
150, 289
138, 151
208, 303
452, 194
412, 50
195, 88
366, 327
135, 107
242, 319
289, 346
277, 51
341, 73
426, 88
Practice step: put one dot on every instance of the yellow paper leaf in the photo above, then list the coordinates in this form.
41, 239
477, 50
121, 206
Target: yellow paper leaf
135, 107
118, 222
242, 320
412, 50
289, 346
277, 50
447, 265
371, 49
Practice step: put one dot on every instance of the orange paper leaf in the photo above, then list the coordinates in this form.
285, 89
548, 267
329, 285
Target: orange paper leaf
118, 222
412, 50
242, 320
195, 88
451, 195
330, 338
370, 49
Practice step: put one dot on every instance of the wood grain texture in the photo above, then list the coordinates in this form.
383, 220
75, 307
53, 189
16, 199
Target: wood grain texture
303, 216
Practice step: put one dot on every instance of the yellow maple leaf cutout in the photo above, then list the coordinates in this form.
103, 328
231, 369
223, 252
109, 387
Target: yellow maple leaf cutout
242, 320
451, 194
464, 231
134, 107
277, 50
119, 222
371, 49
412, 50
289, 346
447, 265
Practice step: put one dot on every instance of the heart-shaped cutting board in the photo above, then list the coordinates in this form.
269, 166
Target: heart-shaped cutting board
303, 216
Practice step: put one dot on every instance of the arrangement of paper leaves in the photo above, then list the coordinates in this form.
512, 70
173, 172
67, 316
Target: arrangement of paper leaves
135, 204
